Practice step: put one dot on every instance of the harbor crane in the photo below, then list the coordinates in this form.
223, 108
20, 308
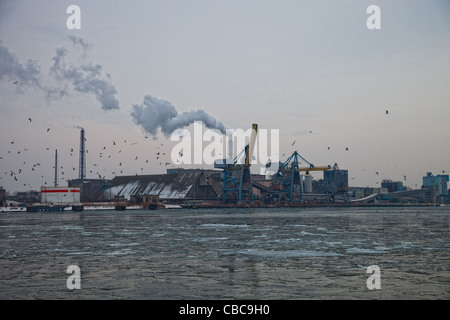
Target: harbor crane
237, 181
287, 179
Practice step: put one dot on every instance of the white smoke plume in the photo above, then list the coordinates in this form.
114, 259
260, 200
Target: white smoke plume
23, 76
87, 78
154, 114
76, 41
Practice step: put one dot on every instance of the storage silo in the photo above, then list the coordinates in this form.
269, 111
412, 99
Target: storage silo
308, 184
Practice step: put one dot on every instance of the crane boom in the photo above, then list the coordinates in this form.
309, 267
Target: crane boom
323, 168
251, 145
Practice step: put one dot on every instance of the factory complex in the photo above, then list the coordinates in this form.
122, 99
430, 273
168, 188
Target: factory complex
197, 188
228, 184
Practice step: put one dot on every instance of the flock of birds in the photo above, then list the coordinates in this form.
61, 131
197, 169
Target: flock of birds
119, 170
95, 160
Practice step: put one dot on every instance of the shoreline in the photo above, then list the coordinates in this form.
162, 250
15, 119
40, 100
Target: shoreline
207, 205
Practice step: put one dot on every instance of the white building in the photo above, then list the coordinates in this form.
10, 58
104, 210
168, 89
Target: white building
60, 195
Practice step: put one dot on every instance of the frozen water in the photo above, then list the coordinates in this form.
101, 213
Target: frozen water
317, 253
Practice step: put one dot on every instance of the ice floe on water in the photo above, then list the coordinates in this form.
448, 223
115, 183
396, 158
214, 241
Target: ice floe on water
223, 225
287, 253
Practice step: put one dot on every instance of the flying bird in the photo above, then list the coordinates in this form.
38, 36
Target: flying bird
387, 112
15, 82
293, 143
346, 149
48, 129
29, 119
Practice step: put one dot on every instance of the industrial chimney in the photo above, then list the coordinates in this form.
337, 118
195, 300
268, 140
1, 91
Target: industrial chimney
82, 171
56, 168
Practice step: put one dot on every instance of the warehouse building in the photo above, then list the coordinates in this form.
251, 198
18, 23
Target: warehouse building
177, 186
91, 190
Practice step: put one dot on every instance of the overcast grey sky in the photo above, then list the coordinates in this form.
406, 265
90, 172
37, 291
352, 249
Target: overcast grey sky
311, 69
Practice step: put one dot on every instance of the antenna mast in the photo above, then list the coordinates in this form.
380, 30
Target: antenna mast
82, 173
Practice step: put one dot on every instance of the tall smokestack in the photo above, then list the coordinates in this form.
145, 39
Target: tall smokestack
82, 173
56, 168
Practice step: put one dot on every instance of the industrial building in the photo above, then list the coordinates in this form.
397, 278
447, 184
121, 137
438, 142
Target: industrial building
177, 186
437, 187
91, 190
334, 181
439, 181
232, 182
2, 197
60, 195
392, 186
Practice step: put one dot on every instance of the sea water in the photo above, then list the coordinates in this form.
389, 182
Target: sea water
282, 253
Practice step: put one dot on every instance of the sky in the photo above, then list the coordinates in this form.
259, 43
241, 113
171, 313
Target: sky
135, 70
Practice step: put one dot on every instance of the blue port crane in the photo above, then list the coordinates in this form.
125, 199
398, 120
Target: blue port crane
287, 179
236, 179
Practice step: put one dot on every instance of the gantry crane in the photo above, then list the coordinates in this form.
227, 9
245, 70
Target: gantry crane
287, 179
237, 181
